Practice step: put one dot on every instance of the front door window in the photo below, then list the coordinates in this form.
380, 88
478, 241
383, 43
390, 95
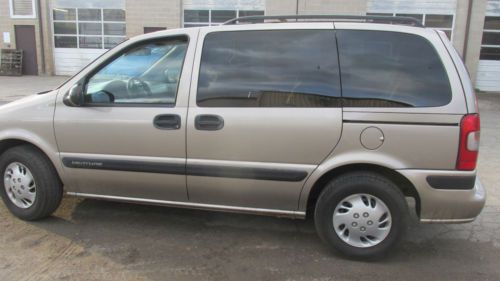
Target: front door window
144, 74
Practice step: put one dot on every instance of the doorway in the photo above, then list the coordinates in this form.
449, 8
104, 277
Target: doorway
25, 40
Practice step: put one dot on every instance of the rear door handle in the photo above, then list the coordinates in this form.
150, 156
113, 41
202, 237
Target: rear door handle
167, 122
208, 122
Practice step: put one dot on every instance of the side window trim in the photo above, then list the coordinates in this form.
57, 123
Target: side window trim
105, 63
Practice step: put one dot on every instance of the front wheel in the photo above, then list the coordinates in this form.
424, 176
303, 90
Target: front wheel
31, 188
361, 215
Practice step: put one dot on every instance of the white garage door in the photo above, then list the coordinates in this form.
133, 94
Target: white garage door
83, 30
488, 73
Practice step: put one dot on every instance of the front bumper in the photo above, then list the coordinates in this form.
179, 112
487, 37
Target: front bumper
446, 205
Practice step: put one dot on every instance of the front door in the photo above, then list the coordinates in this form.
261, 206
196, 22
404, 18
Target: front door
129, 138
25, 40
264, 111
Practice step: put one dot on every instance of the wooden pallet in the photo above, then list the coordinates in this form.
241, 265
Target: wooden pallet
11, 62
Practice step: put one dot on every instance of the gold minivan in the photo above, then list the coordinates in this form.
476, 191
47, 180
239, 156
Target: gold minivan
340, 118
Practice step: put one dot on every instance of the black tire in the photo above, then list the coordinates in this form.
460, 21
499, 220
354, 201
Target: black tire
49, 189
355, 183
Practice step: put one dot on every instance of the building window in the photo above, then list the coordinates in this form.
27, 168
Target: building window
88, 28
22, 9
194, 18
490, 45
443, 22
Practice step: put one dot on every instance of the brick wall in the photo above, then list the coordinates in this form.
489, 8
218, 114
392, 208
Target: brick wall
475, 36
152, 13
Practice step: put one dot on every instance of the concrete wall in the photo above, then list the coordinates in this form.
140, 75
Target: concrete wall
281, 7
460, 25
469, 50
152, 13
47, 37
475, 37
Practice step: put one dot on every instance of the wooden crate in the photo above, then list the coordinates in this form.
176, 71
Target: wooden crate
11, 62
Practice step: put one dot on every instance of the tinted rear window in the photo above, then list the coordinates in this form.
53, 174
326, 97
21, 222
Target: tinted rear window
279, 68
390, 69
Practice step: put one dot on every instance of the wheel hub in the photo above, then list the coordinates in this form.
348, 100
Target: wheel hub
362, 220
19, 185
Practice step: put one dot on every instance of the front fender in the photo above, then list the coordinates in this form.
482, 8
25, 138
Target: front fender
31, 120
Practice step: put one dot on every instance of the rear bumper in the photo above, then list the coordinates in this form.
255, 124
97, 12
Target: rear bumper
447, 205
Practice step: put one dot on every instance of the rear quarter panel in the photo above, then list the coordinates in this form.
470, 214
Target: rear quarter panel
424, 138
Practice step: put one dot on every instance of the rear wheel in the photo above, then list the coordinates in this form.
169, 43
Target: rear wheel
361, 214
30, 188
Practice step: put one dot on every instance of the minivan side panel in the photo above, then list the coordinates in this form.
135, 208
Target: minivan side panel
117, 150
399, 138
415, 145
258, 141
277, 135
457, 104
470, 95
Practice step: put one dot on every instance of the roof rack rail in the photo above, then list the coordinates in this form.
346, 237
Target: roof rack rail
333, 18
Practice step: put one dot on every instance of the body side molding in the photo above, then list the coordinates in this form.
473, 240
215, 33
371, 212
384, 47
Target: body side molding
246, 173
124, 165
193, 205
191, 169
400, 123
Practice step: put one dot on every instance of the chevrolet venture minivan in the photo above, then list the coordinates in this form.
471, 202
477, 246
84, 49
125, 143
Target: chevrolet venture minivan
335, 117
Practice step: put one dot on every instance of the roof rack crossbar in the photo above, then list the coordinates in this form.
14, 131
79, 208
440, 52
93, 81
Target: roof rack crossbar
334, 18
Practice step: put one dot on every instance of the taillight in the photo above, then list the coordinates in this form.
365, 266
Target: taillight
469, 142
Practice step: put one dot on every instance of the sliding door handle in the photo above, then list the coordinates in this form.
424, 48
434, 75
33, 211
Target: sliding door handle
208, 122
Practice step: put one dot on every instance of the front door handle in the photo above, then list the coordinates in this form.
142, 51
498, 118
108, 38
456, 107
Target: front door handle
167, 122
208, 122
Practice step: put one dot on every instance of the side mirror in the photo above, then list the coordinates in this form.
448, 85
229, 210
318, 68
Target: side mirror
74, 97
